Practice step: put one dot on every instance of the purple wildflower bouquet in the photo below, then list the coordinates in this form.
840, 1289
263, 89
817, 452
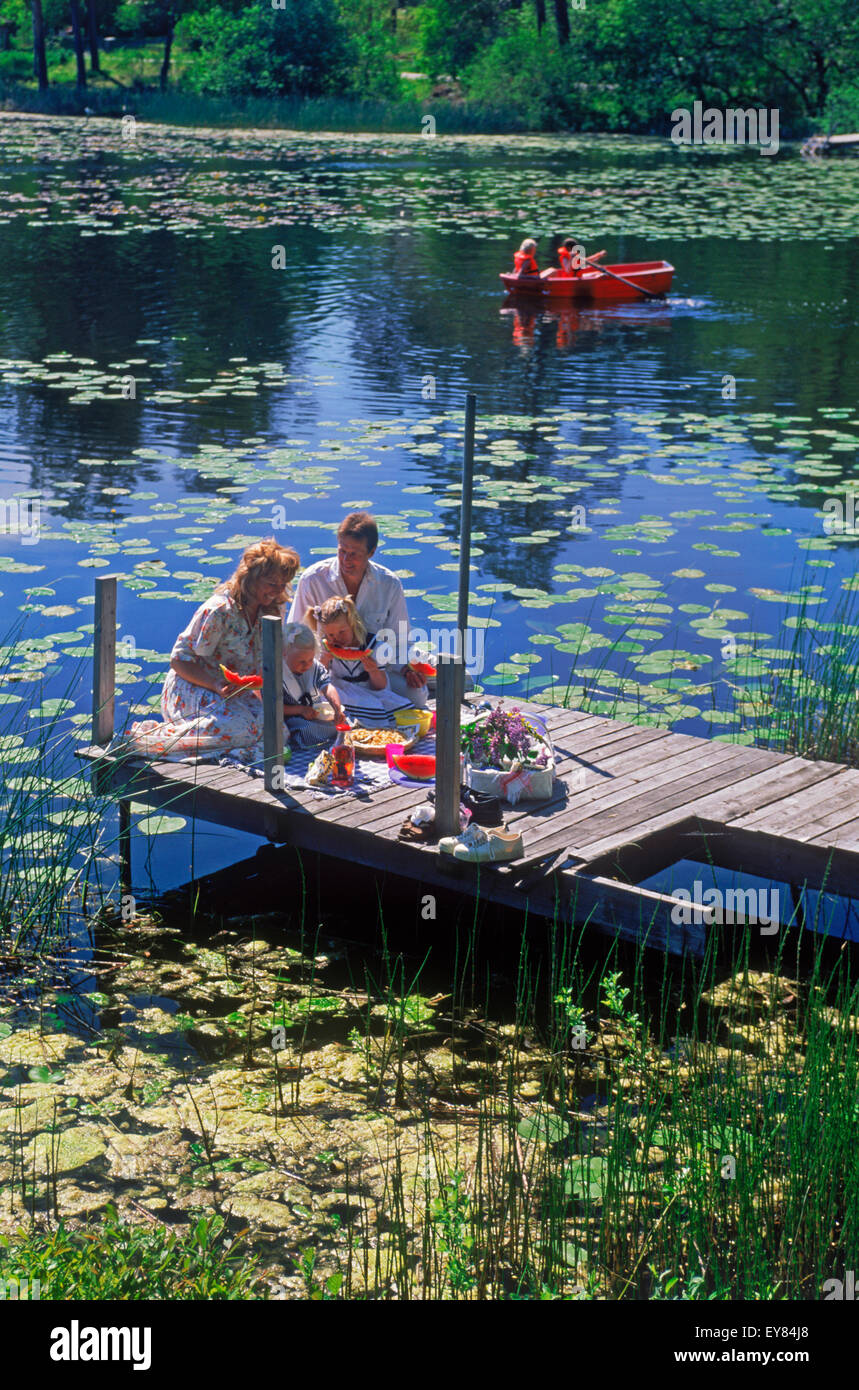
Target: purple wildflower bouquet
504, 737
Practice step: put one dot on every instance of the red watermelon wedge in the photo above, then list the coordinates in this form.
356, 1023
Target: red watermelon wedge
418, 766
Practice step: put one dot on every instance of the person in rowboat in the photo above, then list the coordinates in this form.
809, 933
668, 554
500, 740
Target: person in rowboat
571, 256
525, 260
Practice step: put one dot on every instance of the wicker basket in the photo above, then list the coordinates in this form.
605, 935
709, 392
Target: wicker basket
531, 784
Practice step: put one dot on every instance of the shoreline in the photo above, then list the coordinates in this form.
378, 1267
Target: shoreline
308, 116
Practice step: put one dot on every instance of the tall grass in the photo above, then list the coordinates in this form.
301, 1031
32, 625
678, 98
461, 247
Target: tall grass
51, 839
347, 114
700, 1145
810, 702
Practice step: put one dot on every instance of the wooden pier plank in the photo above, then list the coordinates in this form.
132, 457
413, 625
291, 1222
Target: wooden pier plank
632, 811
781, 816
843, 837
763, 788
617, 827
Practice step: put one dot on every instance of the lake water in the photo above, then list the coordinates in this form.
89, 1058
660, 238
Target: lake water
165, 391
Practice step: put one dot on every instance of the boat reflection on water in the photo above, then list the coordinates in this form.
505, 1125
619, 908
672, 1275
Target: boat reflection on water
526, 320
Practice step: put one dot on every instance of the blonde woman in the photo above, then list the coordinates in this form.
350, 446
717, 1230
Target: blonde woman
204, 713
360, 681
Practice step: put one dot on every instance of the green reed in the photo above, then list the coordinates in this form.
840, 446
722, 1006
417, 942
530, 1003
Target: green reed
718, 1161
346, 114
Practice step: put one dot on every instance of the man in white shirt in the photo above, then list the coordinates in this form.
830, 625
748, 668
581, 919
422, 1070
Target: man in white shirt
377, 592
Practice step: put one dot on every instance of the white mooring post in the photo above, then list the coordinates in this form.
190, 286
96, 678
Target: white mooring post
272, 702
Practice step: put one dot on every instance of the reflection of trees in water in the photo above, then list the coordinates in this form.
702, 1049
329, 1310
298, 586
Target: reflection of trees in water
527, 566
205, 301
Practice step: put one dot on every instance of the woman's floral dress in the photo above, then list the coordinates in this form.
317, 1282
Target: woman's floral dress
197, 722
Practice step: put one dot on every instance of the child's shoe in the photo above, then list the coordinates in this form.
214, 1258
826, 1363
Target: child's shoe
477, 845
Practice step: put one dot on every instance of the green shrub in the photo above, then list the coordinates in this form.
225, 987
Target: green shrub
118, 1260
841, 113
16, 66
300, 49
539, 81
452, 33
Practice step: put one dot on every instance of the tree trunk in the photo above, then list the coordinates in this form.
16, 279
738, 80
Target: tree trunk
92, 35
165, 65
40, 57
74, 6
540, 6
822, 81
562, 19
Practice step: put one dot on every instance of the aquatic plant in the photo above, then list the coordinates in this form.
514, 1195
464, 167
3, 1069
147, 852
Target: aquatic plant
112, 1258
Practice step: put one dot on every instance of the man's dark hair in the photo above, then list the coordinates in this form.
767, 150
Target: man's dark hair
360, 526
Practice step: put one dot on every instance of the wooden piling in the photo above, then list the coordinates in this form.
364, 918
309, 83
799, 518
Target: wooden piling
447, 743
272, 702
124, 845
465, 536
104, 660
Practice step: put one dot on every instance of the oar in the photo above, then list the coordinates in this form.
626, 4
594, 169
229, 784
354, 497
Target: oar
605, 270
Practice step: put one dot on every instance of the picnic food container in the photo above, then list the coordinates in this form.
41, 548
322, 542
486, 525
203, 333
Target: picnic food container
526, 767
422, 718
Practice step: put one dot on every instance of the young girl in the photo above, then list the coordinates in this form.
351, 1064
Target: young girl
360, 682
525, 260
305, 683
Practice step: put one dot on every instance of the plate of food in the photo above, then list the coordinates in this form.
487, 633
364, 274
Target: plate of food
373, 743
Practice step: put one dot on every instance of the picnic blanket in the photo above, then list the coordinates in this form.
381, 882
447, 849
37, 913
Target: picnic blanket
370, 773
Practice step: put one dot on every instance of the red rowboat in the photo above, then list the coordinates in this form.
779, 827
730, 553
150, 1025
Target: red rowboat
652, 276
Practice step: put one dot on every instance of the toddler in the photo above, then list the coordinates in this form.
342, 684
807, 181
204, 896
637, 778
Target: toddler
305, 684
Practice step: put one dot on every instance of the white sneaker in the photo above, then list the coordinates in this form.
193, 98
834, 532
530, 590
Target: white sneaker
484, 845
473, 835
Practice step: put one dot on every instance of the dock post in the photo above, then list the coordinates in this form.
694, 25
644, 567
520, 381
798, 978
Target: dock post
272, 702
124, 846
465, 535
447, 744
104, 660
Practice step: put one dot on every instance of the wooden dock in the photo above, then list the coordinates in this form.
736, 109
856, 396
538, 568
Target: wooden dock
629, 800
818, 145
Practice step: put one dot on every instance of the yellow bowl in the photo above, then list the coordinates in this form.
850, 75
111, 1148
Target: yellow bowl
421, 717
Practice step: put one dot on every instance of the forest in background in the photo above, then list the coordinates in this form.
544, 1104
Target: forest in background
610, 65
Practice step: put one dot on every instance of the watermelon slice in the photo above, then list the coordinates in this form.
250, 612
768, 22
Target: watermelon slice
246, 682
346, 653
422, 669
420, 767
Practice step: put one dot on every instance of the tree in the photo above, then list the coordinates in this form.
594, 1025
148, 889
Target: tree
562, 19
540, 7
92, 35
40, 57
299, 48
164, 74
77, 31
453, 32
